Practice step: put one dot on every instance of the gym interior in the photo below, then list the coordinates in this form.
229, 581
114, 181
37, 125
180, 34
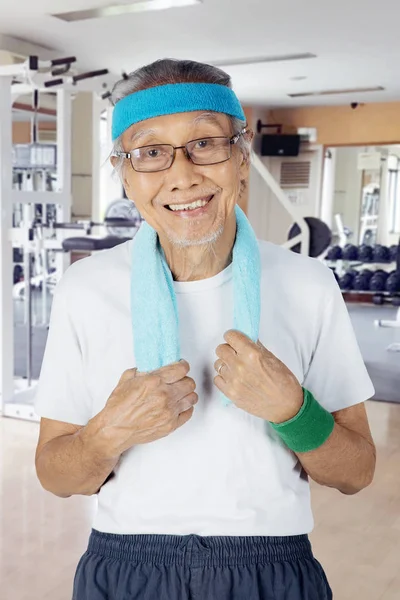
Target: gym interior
320, 88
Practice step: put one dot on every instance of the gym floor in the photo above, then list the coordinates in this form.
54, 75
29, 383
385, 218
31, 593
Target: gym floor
356, 538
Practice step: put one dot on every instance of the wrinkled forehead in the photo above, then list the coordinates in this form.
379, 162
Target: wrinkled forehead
182, 124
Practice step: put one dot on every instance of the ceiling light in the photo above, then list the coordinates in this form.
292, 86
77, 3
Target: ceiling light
114, 10
262, 59
336, 92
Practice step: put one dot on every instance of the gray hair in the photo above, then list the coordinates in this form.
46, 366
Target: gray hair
165, 71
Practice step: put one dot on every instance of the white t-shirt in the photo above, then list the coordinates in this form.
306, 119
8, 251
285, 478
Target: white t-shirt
225, 472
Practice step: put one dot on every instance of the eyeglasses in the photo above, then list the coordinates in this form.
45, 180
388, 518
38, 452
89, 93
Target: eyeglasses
203, 151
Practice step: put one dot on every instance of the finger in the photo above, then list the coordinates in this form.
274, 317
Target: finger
226, 353
221, 368
174, 372
221, 384
128, 374
238, 341
182, 388
184, 417
187, 402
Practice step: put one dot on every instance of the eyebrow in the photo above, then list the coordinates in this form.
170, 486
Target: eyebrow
142, 133
207, 117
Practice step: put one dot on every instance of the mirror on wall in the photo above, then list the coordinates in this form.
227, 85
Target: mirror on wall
361, 193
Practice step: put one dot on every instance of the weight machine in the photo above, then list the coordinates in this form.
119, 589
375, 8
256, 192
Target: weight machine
31, 77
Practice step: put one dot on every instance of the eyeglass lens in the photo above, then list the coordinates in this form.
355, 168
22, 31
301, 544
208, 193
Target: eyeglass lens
207, 151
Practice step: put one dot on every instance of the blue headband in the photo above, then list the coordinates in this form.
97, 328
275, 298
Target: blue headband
174, 98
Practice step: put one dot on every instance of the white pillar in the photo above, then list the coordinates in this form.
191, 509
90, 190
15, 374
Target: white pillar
6, 253
383, 236
97, 108
328, 187
64, 137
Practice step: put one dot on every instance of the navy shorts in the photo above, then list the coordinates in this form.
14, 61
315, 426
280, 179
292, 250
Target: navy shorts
165, 567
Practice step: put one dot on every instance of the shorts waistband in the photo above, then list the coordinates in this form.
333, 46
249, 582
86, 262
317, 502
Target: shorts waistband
194, 550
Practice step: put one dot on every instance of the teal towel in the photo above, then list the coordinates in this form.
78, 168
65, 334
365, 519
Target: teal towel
154, 310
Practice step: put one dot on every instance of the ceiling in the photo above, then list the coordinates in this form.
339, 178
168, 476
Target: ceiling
356, 43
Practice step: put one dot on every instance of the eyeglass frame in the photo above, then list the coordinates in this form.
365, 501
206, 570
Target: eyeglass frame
232, 140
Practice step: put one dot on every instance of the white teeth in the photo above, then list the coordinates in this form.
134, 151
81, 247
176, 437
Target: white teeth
192, 206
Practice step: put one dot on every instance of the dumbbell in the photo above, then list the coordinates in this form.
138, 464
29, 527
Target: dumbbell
381, 254
393, 282
362, 280
378, 281
334, 253
393, 252
366, 253
350, 252
346, 282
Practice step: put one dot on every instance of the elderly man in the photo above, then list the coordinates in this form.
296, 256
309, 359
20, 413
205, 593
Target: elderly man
194, 377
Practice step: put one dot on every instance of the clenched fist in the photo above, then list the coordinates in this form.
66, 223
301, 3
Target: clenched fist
256, 380
145, 407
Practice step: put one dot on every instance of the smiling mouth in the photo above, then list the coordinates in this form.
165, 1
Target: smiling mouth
200, 203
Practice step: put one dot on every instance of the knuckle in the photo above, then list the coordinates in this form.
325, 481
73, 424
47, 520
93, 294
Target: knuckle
126, 375
183, 365
189, 401
160, 394
252, 355
170, 426
240, 370
192, 384
154, 384
156, 380
165, 397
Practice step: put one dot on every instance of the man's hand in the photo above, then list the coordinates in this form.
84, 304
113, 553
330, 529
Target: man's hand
255, 380
145, 407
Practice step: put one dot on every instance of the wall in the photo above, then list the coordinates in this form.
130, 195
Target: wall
21, 130
259, 199
341, 125
269, 219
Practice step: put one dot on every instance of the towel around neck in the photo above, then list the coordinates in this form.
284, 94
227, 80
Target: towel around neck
154, 311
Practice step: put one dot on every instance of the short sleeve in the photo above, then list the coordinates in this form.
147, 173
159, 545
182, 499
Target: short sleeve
62, 394
337, 376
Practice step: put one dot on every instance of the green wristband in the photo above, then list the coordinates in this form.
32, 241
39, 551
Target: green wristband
309, 429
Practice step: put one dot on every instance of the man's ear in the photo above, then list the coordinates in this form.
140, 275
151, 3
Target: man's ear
245, 164
249, 135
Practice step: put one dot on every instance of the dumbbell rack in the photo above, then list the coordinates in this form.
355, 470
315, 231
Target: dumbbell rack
342, 266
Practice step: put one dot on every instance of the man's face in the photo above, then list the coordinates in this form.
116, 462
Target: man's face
217, 186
